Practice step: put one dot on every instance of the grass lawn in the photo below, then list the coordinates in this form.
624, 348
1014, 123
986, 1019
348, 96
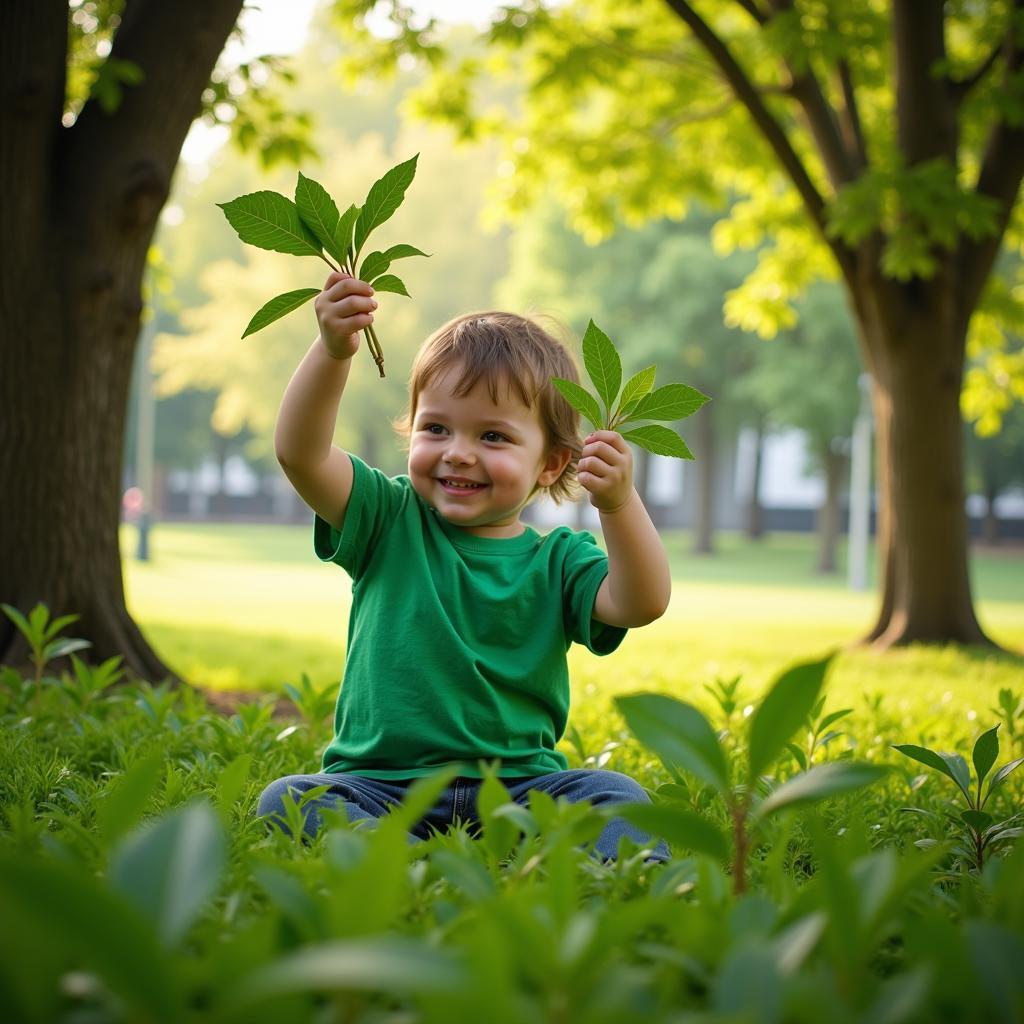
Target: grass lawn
249, 607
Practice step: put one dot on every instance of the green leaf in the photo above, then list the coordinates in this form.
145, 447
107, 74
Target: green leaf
819, 783
659, 440
385, 196
580, 399
58, 648
929, 758
268, 220
122, 810
1000, 775
378, 262
978, 820
230, 783
395, 965
783, 711
986, 750
21, 622
278, 307
343, 235
171, 869
637, 387
682, 827
603, 365
960, 772
389, 283
671, 402
677, 732
99, 928
319, 214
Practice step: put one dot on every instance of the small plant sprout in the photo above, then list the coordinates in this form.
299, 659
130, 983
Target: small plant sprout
312, 226
683, 738
41, 634
638, 400
979, 830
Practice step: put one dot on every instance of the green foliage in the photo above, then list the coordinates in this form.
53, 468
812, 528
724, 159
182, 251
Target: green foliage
683, 738
979, 832
125, 896
637, 401
312, 226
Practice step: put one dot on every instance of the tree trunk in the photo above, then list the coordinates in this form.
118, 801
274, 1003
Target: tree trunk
87, 198
990, 524
916, 346
755, 513
836, 467
704, 442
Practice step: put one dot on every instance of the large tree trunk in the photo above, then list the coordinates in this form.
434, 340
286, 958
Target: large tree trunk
916, 343
85, 204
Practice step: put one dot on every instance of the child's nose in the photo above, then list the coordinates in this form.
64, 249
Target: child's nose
459, 454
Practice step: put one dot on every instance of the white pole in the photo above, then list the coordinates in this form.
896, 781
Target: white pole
860, 490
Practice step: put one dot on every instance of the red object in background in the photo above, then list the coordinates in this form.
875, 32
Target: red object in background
132, 503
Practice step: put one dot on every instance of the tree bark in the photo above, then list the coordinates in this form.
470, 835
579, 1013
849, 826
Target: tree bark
916, 341
87, 198
836, 467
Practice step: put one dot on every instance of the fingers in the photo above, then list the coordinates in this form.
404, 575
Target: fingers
340, 284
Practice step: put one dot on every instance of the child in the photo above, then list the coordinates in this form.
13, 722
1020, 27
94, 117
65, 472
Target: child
461, 615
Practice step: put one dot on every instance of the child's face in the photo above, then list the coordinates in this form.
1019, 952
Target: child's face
476, 461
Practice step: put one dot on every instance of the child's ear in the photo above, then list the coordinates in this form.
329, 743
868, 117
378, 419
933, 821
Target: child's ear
554, 466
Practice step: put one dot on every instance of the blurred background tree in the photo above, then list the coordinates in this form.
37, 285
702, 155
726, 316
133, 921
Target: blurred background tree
806, 379
880, 144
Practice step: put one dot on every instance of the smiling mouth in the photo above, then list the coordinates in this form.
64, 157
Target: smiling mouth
460, 485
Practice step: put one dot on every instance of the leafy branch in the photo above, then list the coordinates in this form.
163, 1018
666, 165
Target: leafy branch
638, 400
313, 226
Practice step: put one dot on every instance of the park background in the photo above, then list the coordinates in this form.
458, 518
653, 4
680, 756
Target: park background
845, 830
756, 526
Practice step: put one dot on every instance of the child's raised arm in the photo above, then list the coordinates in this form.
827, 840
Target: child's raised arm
637, 588
319, 471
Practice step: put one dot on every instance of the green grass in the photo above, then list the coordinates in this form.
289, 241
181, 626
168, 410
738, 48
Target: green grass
249, 607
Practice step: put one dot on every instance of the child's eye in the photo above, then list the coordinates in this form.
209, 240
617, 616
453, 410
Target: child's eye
493, 435
433, 428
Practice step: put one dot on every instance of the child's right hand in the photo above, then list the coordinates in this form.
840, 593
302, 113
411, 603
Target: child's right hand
343, 309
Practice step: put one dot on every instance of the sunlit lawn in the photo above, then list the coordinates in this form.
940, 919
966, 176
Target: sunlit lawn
249, 607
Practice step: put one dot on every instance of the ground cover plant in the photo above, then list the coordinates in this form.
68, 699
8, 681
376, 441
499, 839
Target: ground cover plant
136, 884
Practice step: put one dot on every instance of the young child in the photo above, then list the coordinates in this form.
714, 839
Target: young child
462, 615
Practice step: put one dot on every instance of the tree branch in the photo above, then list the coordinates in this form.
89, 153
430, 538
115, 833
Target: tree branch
963, 86
766, 123
850, 123
126, 159
999, 178
821, 118
750, 6
925, 117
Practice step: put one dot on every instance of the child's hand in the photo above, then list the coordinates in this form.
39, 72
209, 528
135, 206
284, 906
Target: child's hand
343, 309
605, 470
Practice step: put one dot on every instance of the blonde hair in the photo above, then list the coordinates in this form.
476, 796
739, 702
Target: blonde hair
504, 349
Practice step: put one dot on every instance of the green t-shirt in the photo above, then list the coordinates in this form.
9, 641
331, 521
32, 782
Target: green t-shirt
456, 643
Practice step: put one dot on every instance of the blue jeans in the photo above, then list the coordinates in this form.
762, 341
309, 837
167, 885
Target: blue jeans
372, 798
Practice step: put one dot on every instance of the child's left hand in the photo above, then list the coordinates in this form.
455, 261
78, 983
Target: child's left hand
605, 470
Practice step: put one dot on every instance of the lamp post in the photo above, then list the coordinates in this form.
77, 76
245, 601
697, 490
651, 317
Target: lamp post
860, 490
